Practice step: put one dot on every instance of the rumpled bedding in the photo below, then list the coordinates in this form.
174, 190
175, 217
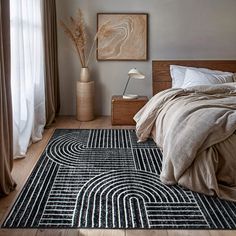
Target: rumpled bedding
195, 128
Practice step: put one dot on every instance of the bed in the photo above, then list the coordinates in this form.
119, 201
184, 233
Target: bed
195, 128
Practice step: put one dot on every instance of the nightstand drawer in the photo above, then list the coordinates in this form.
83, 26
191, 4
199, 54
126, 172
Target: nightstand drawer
123, 110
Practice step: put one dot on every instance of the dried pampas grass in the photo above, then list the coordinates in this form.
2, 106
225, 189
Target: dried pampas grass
76, 31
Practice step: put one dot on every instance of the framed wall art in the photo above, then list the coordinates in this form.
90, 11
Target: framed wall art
122, 37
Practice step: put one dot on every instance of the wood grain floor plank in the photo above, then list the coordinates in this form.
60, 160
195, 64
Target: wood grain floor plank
72, 232
101, 232
146, 233
51, 232
18, 232
222, 232
188, 233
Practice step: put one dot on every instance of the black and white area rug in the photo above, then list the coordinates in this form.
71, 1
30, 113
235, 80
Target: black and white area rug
105, 179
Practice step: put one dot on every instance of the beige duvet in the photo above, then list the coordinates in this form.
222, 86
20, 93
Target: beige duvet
195, 129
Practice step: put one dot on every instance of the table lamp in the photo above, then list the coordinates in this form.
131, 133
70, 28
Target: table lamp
132, 74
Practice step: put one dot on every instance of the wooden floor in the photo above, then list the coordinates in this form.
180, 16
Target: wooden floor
23, 167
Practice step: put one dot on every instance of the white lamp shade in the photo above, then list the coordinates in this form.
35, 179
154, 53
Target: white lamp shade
135, 74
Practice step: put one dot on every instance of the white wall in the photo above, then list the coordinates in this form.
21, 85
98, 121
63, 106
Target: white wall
178, 29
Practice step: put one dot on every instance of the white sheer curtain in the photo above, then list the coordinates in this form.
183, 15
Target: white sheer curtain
28, 95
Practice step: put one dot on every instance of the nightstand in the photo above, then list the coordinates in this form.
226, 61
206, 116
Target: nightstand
123, 110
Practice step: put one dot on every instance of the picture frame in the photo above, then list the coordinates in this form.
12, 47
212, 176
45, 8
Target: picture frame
127, 40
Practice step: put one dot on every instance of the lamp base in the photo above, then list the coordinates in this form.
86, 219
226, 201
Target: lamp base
130, 96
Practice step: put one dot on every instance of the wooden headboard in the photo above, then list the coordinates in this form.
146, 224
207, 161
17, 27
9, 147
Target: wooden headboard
161, 79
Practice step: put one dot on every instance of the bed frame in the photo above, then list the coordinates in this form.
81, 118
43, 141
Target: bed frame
161, 79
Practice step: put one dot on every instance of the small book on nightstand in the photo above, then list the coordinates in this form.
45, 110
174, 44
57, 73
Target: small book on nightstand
123, 110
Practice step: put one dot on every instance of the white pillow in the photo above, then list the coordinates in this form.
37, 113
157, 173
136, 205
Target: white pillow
178, 74
196, 77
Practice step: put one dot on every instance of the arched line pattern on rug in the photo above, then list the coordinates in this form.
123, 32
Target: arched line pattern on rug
87, 147
133, 199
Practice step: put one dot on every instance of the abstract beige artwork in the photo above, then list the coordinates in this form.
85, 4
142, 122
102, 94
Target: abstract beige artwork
126, 39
